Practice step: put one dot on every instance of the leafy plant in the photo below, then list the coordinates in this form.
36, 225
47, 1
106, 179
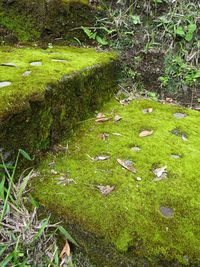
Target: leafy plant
92, 35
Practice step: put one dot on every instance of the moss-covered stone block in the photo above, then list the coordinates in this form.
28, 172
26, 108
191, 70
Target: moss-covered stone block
29, 20
45, 93
146, 213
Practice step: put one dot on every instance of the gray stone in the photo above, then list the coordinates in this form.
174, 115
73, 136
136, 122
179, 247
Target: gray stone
60, 60
36, 63
175, 156
26, 73
9, 64
4, 84
179, 115
167, 212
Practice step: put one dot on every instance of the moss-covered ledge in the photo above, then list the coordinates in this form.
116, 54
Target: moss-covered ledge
29, 20
146, 213
45, 93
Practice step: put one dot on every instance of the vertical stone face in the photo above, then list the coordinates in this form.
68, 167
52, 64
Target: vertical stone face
27, 20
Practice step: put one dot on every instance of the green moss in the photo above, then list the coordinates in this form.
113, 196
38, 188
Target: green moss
130, 217
36, 110
28, 20
34, 86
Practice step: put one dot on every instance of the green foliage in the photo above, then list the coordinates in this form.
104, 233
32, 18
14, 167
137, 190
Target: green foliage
178, 73
15, 251
93, 35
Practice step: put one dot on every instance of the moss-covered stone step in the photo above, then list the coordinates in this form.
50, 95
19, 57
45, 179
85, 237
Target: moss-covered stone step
129, 185
44, 93
30, 20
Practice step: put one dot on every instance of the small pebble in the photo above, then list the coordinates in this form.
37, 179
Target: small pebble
167, 212
175, 156
60, 60
26, 73
36, 63
4, 84
9, 64
184, 137
179, 115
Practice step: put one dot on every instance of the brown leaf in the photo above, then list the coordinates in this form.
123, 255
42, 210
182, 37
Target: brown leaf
161, 173
104, 136
62, 180
65, 251
102, 119
145, 133
105, 190
100, 115
117, 118
127, 164
53, 172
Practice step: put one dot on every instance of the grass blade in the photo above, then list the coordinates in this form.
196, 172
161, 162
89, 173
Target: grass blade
2, 188
5, 262
25, 154
67, 235
42, 228
22, 187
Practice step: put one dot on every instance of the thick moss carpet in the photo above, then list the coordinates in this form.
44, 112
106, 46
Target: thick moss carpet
131, 175
25, 72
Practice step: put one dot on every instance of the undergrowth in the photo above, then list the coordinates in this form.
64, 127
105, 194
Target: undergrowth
25, 239
140, 28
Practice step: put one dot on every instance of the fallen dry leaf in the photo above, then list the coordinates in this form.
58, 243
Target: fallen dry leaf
65, 253
161, 173
117, 118
105, 190
65, 181
102, 119
104, 136
34, 174
53, 172
100, 115
145, 133
127, 164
